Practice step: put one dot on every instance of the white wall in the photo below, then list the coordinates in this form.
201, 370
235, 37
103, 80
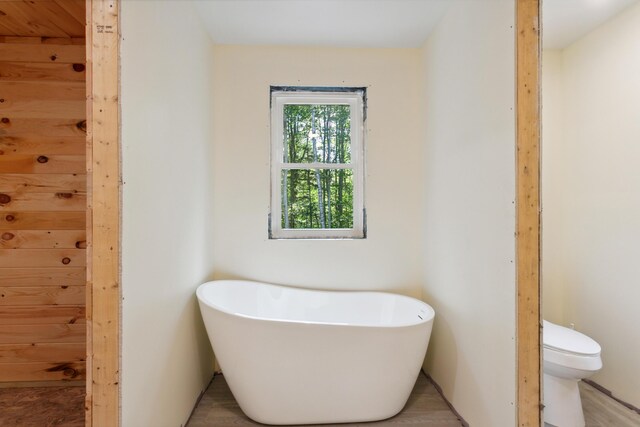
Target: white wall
166, 132
597, 168
390, 257
470, 216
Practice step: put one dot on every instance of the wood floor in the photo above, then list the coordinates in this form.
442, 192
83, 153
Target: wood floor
42, 407
425, 408
602, 411
64, 406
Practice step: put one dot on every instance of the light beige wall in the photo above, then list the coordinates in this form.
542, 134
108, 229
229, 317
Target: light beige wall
390, 257
553, 190
599, 207
166, 132
470, 216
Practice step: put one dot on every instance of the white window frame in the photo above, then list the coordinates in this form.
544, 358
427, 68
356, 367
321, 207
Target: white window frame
355, 98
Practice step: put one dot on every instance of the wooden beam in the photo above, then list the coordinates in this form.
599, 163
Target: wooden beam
103, 162
528, 211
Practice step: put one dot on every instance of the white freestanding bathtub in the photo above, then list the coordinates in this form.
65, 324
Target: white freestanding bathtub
299, 356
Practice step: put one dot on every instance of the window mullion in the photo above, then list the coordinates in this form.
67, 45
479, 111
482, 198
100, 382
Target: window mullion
317, 166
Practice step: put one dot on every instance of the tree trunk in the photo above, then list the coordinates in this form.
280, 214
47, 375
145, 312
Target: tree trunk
315, 159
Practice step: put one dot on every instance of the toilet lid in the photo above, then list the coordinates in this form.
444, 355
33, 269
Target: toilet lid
567, 340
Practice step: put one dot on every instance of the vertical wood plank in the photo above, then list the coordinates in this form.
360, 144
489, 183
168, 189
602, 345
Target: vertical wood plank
88, 404
104, 215
528, 211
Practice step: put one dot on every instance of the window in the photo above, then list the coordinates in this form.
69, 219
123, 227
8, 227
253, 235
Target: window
317, 164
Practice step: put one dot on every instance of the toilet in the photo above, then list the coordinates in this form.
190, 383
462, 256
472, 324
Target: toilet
569, 356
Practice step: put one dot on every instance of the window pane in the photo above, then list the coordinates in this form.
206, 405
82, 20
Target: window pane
317, 133
317, 198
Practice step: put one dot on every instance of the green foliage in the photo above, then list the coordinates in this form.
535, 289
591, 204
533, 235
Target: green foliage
317, 198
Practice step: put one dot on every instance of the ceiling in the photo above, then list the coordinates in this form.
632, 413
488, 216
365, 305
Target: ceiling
374, 23
565, 21
339, 23
42, 18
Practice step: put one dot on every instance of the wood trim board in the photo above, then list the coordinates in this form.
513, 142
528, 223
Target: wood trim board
528, 362
103, 214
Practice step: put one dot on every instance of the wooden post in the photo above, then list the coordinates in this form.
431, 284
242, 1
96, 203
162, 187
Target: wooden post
528, 211
103, 216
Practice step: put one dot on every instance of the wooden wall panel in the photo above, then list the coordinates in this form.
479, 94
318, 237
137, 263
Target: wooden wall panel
14, 201
39, 71
42, 276
47, 53
41, 91
16, 220
30, 127
42, 144
52, 333
45, 109
43, 239
42, 40
42, 315
42, 258
43, 371
28, 353
42, 295
32, 183
38, 163
42, 195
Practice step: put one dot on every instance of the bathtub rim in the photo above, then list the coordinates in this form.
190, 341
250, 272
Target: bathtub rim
427, 320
